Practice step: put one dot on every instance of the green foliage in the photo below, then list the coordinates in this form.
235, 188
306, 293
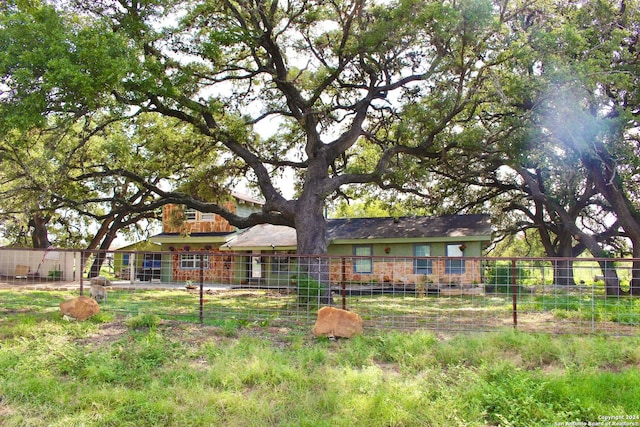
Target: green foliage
143, 321
368, 209
72, 373
511, 395
65, 68
526, 244
310, 290
500, 275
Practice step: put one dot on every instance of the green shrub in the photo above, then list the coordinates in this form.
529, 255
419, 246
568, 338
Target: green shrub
311, 292
498, 277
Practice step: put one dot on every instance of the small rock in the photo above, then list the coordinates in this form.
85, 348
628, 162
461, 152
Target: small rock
100, 280
98, 293
335, 322
80, 308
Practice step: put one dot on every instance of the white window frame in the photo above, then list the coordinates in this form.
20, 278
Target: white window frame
190, 214
191, 261
455, 266
363, 265
207, 216
427, 268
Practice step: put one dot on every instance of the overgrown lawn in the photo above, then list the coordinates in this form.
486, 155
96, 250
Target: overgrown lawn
142, 370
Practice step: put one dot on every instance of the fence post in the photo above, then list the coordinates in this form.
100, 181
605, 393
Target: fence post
514, 293
81, 269
343, 283
593, 308
132, 268
201, 288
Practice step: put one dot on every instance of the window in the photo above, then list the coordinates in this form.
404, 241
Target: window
192, 261
125, 259
454, 266
189, 214
363, 265
422, 266
207, 216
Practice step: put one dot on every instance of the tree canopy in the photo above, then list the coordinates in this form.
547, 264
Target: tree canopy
445, 104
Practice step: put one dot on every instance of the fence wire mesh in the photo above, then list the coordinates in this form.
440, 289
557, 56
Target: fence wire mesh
581, 295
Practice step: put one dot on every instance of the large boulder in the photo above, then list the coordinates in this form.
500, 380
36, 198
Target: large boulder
335, 322
80, 308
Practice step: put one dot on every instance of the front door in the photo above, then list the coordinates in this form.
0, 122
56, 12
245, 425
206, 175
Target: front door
254, 267
151, 267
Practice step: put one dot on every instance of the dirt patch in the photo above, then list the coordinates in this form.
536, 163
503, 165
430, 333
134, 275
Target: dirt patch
108, 333
388, 367
5, 410
189, 333
37, 284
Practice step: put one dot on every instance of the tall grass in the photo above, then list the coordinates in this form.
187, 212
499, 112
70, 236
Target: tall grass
144, 371
552, 310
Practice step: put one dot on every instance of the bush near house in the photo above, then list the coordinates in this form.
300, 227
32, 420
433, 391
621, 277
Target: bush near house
310, 291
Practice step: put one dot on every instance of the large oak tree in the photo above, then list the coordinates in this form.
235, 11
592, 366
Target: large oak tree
329, 79
590, 107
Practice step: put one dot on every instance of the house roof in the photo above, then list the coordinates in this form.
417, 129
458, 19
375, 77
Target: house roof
247, 198
177, 238
139, 245
410, 227
264, 236
268, 236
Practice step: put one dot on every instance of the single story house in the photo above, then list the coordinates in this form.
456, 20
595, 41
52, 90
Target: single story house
438, 250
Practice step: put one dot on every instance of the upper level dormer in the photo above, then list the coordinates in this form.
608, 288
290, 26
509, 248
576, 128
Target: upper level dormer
181, 219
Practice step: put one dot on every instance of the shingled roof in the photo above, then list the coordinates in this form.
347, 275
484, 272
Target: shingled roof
409, 227
265, 236
463, 226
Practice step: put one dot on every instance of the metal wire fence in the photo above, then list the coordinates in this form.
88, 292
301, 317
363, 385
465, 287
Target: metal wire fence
581, 295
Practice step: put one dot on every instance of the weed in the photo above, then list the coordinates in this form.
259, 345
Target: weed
143, 321
511, 395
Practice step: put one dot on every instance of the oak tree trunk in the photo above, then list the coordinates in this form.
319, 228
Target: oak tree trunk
40, 234
312, 244
611, 280
603, 169
563, 272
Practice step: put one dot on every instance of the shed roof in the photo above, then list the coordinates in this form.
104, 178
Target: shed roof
178, 238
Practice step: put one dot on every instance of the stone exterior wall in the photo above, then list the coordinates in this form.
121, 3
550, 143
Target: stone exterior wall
401, 271
220, 269
216, 224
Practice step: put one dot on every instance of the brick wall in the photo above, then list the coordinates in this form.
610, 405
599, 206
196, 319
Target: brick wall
220, 268
401, 271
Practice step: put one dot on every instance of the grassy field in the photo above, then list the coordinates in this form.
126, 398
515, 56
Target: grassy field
554, 311
141, 370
